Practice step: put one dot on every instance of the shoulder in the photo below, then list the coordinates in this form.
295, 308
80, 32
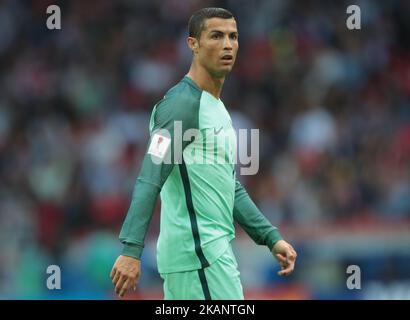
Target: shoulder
181, 102
183, 93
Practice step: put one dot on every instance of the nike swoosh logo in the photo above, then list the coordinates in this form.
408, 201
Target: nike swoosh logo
217, 131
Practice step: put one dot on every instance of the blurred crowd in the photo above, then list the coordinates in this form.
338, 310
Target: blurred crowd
332, 106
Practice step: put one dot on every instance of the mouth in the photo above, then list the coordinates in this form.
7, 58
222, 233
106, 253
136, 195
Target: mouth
227, 58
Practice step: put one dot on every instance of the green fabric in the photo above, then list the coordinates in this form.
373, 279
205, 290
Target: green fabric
222, 278
200, 197
181, 103
252, 220
212, 192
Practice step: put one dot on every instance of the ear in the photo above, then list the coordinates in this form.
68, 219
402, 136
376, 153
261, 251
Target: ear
193, 44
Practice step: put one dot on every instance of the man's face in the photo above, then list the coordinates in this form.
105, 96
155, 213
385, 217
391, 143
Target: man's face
218, 46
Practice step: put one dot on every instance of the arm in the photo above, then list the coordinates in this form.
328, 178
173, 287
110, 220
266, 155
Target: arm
251, 219
153, 174
147, 187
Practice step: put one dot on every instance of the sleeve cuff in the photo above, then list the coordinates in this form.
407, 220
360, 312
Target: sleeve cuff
132, 250
273, 237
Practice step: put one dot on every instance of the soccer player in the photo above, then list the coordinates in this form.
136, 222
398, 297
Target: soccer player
200, 197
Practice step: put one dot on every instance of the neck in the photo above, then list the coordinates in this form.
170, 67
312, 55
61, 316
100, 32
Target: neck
205, 80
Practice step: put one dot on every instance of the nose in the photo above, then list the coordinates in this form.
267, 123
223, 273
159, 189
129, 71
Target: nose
227, 43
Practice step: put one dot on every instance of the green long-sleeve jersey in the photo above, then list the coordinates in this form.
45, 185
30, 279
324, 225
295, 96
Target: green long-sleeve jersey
200, 195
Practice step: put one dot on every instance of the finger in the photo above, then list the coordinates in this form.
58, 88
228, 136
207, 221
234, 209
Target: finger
291, 255
282, 263
120, 283
116, 277
281, 258
282, 273
113, 271
288, 270
125, 287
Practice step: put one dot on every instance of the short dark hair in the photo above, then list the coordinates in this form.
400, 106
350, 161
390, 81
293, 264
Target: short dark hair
197, 21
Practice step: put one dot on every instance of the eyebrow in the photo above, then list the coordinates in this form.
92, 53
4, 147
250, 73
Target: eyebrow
219, 31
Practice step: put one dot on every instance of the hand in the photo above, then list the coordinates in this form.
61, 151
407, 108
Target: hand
286, 256
125, 274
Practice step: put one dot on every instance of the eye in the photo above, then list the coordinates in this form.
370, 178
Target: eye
234, 36
216, 36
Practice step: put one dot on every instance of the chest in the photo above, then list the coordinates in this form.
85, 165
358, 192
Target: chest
216, 143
